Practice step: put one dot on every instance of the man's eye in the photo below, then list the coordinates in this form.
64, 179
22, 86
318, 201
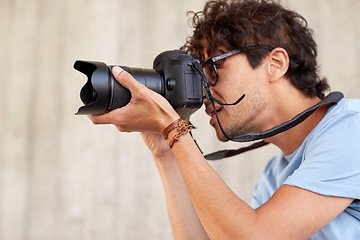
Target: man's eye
220, 63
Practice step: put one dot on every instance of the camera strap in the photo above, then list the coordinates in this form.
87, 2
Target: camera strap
332, 98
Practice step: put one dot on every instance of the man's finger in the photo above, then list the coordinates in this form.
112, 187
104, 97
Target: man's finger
125, 79
106, 118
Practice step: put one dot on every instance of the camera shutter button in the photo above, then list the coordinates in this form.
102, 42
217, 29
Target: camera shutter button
170, 84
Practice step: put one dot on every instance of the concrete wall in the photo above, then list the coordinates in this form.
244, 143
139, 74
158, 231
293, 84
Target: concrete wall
62, 177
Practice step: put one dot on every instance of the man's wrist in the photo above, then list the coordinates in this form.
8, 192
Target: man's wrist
175, 130
166, 121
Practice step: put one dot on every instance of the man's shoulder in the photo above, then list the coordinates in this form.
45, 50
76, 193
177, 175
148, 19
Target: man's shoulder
344, 112
338, 132
346, 106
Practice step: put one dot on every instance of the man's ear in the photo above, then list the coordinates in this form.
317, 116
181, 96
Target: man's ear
278, 63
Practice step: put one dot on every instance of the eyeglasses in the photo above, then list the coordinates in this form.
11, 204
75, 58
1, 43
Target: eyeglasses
209, 66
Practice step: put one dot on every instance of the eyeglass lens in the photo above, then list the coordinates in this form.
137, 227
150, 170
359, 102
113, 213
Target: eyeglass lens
211, 73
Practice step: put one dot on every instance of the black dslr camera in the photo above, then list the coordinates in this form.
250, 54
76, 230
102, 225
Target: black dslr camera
174, 77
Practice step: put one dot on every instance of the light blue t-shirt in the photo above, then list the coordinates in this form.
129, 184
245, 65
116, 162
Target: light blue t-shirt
327, 163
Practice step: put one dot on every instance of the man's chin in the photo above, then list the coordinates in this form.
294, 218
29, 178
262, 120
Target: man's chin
220, 135
222, 138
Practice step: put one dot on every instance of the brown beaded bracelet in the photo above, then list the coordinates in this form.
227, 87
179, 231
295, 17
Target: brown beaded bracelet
181, 127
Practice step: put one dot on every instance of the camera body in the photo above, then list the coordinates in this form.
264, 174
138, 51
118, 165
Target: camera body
173, 76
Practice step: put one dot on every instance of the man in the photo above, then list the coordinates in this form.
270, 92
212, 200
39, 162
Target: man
311, 190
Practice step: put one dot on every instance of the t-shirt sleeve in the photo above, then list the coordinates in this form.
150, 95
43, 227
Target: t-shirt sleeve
331, 163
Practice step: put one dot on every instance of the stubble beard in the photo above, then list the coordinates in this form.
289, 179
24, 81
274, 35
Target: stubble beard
242, 120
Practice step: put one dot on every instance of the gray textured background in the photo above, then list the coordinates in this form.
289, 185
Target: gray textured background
62, 177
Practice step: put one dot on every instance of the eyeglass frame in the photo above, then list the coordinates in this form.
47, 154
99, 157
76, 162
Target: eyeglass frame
213, 60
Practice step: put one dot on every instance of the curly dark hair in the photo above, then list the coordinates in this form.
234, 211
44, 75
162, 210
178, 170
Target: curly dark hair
235, 24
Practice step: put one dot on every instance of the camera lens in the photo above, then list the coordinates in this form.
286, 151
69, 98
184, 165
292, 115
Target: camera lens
102, 93
121, 96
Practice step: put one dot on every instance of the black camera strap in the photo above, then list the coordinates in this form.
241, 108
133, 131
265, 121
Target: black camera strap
332, 98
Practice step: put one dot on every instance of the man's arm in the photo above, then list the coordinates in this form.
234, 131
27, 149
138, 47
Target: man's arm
142, 114
184, 221
291, 213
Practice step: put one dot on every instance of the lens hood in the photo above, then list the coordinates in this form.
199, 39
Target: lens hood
96, 93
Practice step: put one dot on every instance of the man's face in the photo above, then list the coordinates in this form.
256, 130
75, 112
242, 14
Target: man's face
235, 78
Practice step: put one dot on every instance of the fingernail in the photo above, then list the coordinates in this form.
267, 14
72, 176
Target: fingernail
117, 70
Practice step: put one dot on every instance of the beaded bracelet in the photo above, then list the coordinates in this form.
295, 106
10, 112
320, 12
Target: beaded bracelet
181, 127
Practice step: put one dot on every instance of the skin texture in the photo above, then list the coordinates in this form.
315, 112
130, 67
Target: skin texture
238, 119
200, 204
